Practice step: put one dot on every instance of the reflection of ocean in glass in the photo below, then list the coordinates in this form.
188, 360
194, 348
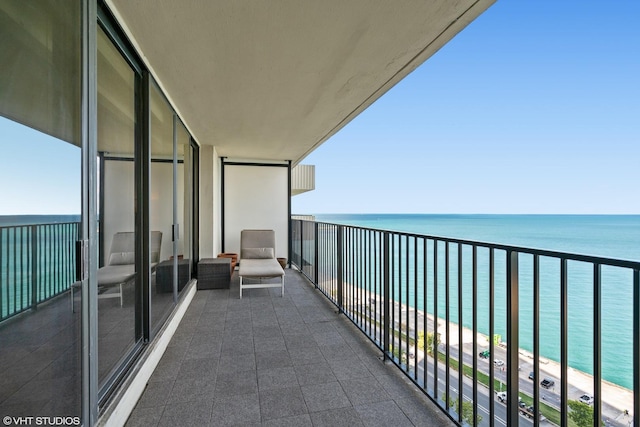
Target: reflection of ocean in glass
610, 236
37, 259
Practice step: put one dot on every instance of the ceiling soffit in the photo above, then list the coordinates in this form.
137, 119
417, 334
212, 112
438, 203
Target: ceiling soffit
275, 79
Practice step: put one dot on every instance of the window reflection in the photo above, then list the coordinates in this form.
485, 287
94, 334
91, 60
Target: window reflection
118, 281
40, 208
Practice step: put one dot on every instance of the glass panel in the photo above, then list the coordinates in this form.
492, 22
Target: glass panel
40, 168
184, 201
161, 207
117, 279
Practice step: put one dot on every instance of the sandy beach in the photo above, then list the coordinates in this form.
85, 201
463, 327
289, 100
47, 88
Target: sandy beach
615, 399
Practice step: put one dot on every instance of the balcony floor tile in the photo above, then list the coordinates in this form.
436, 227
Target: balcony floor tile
276, 361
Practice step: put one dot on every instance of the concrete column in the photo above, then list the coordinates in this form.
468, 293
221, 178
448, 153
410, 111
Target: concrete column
208, 159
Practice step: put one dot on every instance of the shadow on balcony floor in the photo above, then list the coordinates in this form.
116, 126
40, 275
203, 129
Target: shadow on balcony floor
267, 360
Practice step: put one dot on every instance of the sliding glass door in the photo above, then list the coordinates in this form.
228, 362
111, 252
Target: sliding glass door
40, 208
118, 279
170, 206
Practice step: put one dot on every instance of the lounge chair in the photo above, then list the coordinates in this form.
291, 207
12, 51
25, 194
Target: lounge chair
121, 268
258, 259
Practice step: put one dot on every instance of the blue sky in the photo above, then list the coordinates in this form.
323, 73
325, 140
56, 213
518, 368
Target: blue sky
533, 108
39, 174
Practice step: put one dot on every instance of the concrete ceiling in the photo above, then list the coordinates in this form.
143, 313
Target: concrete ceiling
275, 79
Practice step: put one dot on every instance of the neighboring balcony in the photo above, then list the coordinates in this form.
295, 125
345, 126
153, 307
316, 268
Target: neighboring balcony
303, 179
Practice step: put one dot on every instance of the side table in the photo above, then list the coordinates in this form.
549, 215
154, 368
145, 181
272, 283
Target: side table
214, 273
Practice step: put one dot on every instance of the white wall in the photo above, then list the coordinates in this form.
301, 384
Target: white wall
119, 207
209, 219
161, 204
256, 197
119, 189
217, 204
207, 204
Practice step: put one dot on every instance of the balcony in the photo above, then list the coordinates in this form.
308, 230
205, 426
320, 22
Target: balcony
276, 361
349, 343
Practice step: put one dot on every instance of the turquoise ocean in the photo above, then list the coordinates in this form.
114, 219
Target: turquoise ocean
611, 236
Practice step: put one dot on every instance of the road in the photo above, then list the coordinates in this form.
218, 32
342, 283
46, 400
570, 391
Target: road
612, 416
549, 396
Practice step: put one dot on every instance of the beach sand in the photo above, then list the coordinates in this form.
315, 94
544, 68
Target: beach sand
615, 399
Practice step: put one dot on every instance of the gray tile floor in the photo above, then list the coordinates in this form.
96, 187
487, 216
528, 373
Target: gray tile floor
273, 361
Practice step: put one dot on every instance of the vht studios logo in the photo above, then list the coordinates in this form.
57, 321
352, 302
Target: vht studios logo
41, 421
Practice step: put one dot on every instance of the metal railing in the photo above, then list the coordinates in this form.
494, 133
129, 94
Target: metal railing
409, 294
37, 263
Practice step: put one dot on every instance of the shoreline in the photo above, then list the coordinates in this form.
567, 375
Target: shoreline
580, 382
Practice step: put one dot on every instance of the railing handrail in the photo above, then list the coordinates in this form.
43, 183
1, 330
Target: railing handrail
37, 263
38, 224
594, 259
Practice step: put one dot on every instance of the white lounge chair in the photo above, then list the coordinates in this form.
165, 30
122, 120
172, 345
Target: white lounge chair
258, 259
121, 265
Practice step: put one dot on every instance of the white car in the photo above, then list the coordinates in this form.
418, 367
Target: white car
585, 398
498, 362
502, 397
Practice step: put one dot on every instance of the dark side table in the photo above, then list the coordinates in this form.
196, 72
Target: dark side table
214, 273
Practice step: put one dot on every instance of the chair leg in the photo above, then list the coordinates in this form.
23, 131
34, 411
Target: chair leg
72, 289
120, 294
282, 286
240, 287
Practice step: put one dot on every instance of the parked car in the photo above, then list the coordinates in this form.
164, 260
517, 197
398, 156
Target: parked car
585, 398
547, 383
502, 397
498, 362
527, 411
531, 375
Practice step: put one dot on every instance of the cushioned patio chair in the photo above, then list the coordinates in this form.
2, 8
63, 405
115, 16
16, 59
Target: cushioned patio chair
258, 259
121, 265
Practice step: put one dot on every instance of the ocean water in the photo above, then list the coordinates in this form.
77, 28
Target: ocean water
612, 236
41, 255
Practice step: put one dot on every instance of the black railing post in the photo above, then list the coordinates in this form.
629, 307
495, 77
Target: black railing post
447, 329
316, 256
340, 271
387, 297
34, 266
536, 338
460, 337
564, 344
302, 246
436, 335
636, 348
513, 326
597, 343
474, 322
491, 335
